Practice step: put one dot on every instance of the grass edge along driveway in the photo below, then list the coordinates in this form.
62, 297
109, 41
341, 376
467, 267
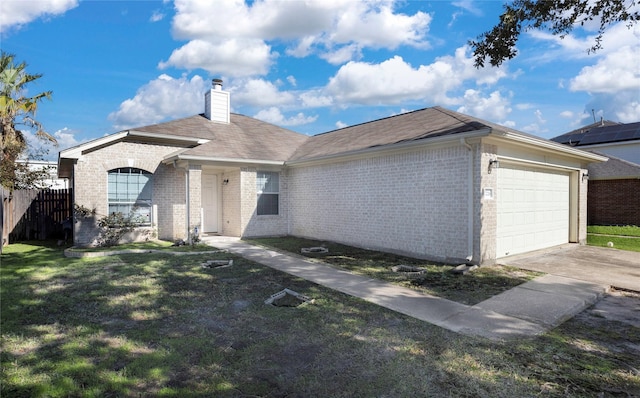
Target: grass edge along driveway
621, 237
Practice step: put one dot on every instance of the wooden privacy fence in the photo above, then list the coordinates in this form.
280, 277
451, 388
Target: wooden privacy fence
34, 214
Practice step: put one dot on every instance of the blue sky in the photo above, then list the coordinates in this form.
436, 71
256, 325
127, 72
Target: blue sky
308, 66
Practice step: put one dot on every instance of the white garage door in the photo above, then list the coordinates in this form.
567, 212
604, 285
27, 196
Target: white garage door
533, 209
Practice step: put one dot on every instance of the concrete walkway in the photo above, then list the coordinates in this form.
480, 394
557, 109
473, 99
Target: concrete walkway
524, 311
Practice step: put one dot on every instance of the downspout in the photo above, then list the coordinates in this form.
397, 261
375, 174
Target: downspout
469, 257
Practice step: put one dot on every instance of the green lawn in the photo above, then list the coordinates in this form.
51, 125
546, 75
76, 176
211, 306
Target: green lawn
623, 238
140, 325
435, 279
627, 230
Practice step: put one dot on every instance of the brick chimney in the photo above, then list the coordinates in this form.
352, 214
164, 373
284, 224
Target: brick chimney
216, 103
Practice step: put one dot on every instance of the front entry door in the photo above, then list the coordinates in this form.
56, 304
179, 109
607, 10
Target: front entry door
209, 202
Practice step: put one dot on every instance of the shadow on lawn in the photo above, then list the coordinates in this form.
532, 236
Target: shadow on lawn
148, 325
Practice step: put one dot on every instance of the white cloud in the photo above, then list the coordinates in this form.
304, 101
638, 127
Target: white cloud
16, 13
468, 5
539, 117
394, 80
66, 138
274, 115
493, 107
292, 80
315, 99
233, 37
617, 71
621, 107
573, 46
523, 106
156, 16
341, 125
614, 84
629, 112
233, 57
379, 27
342, 54
161, 99
567, 114
258, 92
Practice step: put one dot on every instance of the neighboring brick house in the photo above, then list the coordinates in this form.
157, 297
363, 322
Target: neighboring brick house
614, 185
432, 183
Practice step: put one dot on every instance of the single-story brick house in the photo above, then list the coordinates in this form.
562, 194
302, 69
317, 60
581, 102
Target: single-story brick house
431, 183
613, 185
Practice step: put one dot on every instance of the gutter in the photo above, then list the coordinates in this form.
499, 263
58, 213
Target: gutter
236, 161
541, 143
470, 223
383, 149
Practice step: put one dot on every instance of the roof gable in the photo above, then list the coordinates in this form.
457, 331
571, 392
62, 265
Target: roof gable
247, 138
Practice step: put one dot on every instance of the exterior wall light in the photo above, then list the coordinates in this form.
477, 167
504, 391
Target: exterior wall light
225, 181
493, 164
585, 176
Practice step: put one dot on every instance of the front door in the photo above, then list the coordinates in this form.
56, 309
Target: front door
209, 202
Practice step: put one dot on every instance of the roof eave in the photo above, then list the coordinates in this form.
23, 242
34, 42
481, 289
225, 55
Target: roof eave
401, 146
77, 151
167, 137
549, 145
215, 159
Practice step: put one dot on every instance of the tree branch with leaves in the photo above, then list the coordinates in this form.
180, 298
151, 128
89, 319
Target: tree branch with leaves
17, 108
559, 17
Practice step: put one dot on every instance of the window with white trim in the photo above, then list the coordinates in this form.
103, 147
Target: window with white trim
129, 193
268, 187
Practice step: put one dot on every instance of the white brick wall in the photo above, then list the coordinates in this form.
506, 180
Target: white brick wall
90, 187
414, 203
253, 225
486, 217
582, 208
231, 224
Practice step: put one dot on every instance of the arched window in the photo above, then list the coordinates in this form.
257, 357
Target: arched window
129, 193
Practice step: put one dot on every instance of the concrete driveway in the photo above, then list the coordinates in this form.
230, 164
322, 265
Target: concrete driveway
605, 266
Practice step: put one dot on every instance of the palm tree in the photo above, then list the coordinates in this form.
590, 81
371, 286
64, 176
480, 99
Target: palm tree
17, 109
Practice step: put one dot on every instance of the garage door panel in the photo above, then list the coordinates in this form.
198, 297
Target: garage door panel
533, 209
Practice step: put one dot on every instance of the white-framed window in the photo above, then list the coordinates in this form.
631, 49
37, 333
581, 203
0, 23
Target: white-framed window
268, 187
129, 193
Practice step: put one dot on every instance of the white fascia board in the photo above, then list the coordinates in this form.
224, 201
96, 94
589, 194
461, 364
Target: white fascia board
76, 151
212, 159
195, 140
392, 148
550, 145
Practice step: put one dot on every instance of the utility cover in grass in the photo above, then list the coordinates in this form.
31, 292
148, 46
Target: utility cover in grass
217, 263
316, 250
287, 298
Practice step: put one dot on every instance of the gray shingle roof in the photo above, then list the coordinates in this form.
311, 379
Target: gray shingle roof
243, 138
613, 168
411, 126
